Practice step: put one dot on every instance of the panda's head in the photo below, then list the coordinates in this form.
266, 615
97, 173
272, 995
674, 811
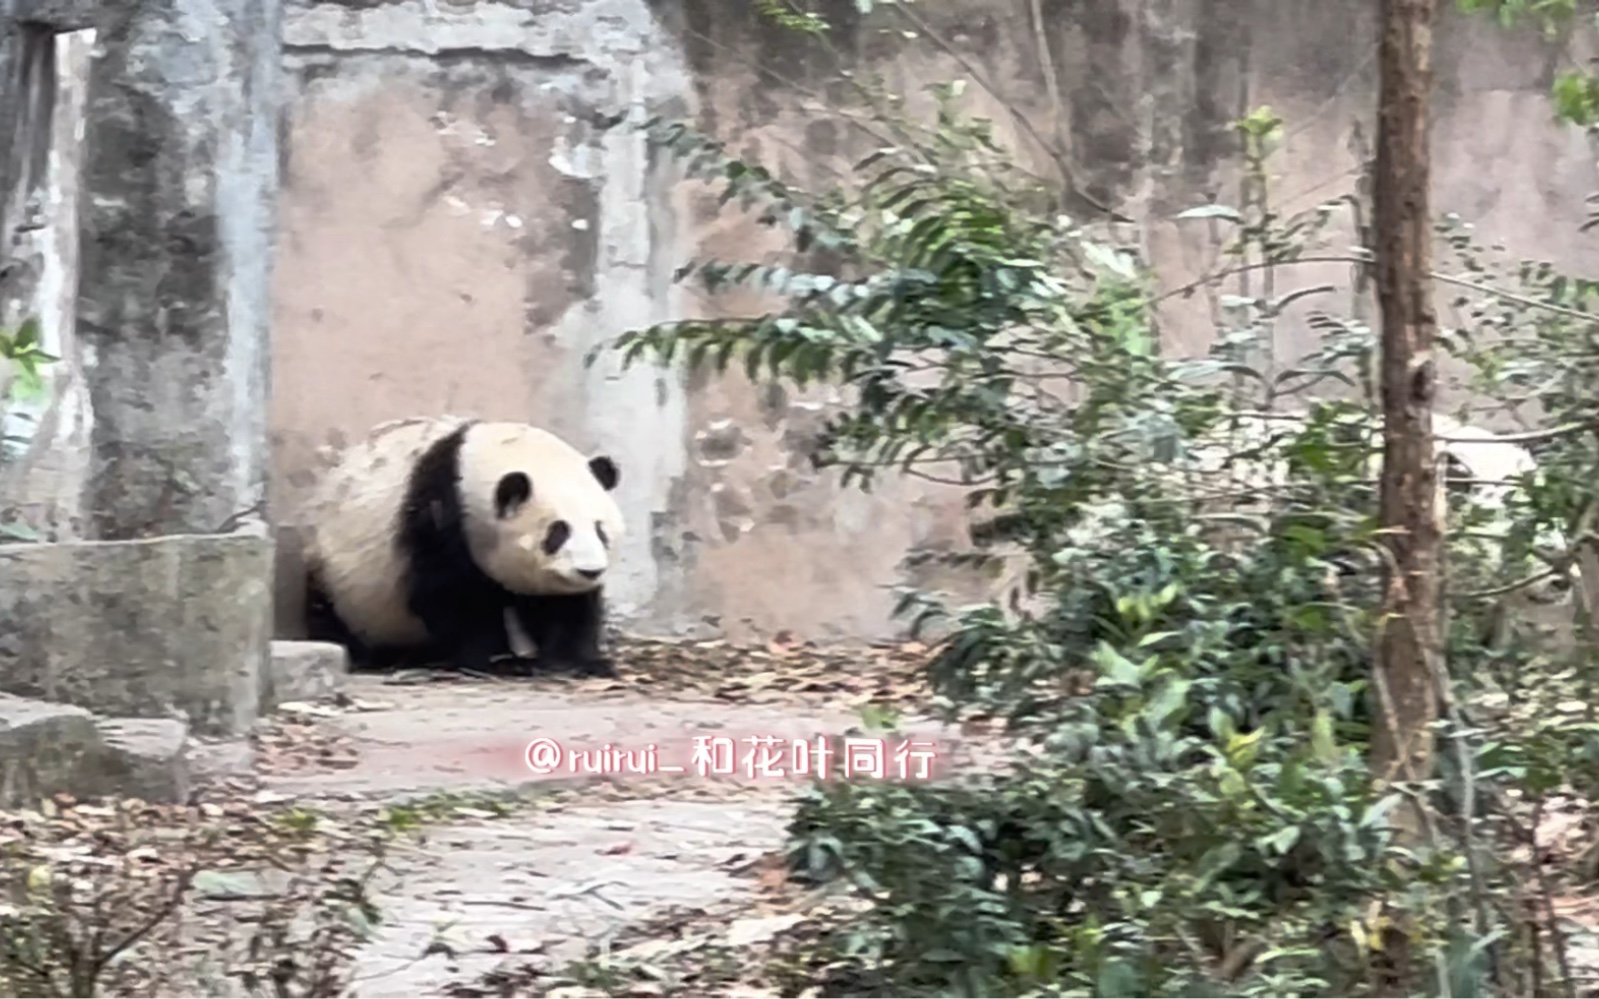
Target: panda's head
1494, 470
544, 519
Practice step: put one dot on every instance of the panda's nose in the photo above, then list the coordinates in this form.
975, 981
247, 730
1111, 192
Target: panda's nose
591, 573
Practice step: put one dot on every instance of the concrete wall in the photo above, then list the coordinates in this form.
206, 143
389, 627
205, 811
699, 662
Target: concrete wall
466, 211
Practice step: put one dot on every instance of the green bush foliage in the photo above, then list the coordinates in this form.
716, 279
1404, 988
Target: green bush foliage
1186, 673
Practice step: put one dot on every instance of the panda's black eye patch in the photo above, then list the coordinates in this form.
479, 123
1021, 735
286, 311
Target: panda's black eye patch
556, 536
599, 529
512, 491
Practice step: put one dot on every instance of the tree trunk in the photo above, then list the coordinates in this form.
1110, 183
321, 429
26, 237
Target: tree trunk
1409, 636
1409, 639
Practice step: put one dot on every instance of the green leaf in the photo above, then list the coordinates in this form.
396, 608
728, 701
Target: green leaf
1114, 668
1211, 212
943, 955
1221, 725
1217, 860
1157, 636
18, 531
1282, 840
966, 838
25, 338
1322, 742
229, 884
1028, 961
1118, 979
1108, 259
1173, 695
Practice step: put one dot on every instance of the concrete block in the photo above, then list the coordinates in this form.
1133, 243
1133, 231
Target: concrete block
139, 758
44, 748
304, 671
174, 626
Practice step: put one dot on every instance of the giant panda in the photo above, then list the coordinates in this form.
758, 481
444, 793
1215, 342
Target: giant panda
1494, 468
1480, 468
426, 538
1489, 463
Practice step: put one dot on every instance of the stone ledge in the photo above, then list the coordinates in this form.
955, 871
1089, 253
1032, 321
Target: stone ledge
48, 749
58, 15
174, 626
43, 746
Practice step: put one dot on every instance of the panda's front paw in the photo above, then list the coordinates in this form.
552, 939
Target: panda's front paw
513, 666
592, 667
489, 664
599, 666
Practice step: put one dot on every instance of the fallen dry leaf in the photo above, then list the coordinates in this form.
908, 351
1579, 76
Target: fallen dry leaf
300, 742
773, 877
744, 932
779, 670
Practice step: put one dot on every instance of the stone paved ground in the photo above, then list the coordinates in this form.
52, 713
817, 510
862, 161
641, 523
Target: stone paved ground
555, 884
550, 881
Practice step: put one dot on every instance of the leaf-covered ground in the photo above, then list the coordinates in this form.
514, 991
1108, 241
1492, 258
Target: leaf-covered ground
217, 894
636, 886
880, 682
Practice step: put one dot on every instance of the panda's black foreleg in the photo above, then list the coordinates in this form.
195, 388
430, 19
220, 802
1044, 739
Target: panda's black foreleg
566, 631
469, 634
486, 648
462, 609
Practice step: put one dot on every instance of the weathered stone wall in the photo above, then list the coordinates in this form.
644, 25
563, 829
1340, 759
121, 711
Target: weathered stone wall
467, 211
168, 627
137, 207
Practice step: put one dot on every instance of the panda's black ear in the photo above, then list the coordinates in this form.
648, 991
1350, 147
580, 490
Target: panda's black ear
515, 488
606, 471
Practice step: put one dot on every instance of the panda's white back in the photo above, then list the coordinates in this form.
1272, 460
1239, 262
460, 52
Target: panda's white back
351, 521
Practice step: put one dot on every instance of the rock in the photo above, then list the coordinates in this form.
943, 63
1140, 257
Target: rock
144, 758
154, 628
733, 511
44, 747
305, 671
48, 748
720, 443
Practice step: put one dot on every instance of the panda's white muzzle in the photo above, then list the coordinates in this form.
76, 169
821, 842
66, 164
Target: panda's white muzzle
578, 566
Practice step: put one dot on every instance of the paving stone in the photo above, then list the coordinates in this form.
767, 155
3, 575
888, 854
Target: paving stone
44, 747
